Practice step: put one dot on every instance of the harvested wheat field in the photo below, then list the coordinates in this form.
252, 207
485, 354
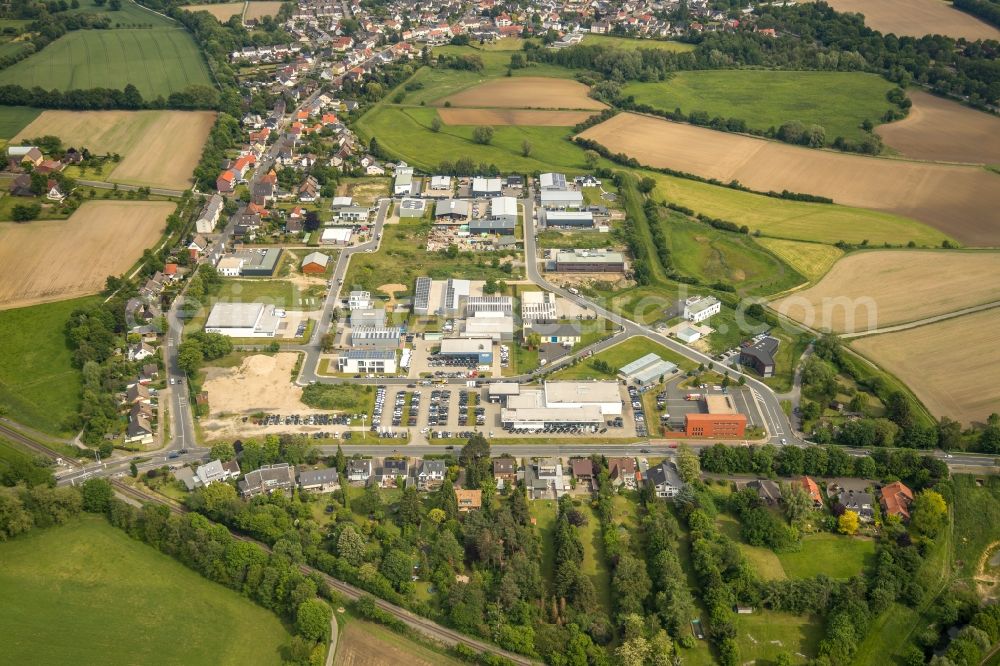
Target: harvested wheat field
868, 290
258, 9
960, 201
528, 117
916, 18
526, 92
942, 130
50, 260
812, 260
951, 365
158, 148
222, 11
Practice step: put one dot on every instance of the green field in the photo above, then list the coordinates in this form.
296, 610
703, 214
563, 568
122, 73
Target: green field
38, 384
86, 593
710, 255
836, 101
551, 238
158, 61
13, 119
281, 293
835, 555
977, 514
795, 220
812, 260
130, 15
620, 355
627, 44
766, 634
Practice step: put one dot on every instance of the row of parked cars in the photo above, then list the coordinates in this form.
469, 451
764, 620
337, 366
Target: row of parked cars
641, 429
308, 419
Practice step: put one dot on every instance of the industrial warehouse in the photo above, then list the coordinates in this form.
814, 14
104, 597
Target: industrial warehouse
581, 405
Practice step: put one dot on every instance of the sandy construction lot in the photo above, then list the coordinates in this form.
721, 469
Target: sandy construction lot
959, 200
528, 117
50, 260
951, 365
866, 290
222, 11
526, 92
258, 9
942, 130
158, 148
260, 383
917, 18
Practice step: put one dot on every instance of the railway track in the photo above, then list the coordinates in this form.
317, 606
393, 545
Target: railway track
40, 449
425, 626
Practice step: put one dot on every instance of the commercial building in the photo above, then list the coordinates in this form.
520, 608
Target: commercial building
590, 261
497, 305
315, 262
486, 187
504, 209
375, 337
360, 300
441, 183
257, 262
489, 325
700, 308
760, 356
422, 296
479, 349
537, 306
539, 418
561, 199
722, 419
410, 208
688, 334
352, 213
243, 320
403, 184
648, 369
552, 181
563, 333
451, 210
367, 318
229, 266
567, 218
455, 292
574, 395
484, 225
336, 236
367, 360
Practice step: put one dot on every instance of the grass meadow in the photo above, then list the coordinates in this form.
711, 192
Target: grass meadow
13, 119
87, 593
620, 355
812, 260
977, 514
38, 384
627, 44
836, 101
157, 61
765, 635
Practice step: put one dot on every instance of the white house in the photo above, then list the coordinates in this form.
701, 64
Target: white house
210, 215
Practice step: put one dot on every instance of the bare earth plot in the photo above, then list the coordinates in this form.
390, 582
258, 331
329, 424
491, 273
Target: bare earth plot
529, 117
945, 131
951, 365
222, 11
260, 383
258, 9
526, 92
158, 148
868, 290
959, 200
51, 260
916, 18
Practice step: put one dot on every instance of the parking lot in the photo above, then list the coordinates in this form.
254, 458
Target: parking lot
676, 405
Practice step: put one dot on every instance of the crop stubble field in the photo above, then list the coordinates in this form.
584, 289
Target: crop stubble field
222, 11
158, 148
535, 92
258, 9
49, 260
916, 18
902, 286
958, 200
942, 130
529, 117
950, 365
812, 260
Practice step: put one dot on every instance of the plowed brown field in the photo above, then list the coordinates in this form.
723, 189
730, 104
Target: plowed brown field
951, 365
526, 92
49, 260
961, 201
942, 130
874, 289
917, 18
527, 117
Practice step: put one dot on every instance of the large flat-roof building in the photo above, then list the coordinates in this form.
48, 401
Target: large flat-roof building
648, 369
422, 296
243, 320
482, 225
451, 210
537, 306
480, 349
590, 261
567, 218
367, 360
552, 181
722, 419
455, 292
498, 305
367, 318
573, 395
336, 236
700, 308
505, 209
561, 199
760, 356
486, 187
489, 325
375, 337
581, 404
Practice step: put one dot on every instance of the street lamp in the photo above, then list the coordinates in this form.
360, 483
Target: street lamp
364, 429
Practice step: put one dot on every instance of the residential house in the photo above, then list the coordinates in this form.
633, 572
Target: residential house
21, 186
390, 470
267, 479
359, 471
431, 474
505, 470
468, 500
137, 393
319, 480
861, 503
622, 472
216, 471
767, 490
812, 489
209, 216
54, 191
895, 499
140, 351
665, 479
139, 430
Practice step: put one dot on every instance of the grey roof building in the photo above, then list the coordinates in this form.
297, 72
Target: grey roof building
665, 479
319, 480
267, 479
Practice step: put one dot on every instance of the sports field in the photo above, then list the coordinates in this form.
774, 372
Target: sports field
812, 260
157, 61
38, 384
916, 18
943, 130
836, 101
85, 593
49, 260
950, 365
957, 200
526, 92
222, 11
530, 117
627, 44
868, 290
158, 148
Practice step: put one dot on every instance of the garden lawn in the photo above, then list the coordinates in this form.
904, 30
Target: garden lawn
544, 513
977, 514
764, 635
765, 99
620, 355
38, 384
835, 555
85, 593
764, 561
594, 564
